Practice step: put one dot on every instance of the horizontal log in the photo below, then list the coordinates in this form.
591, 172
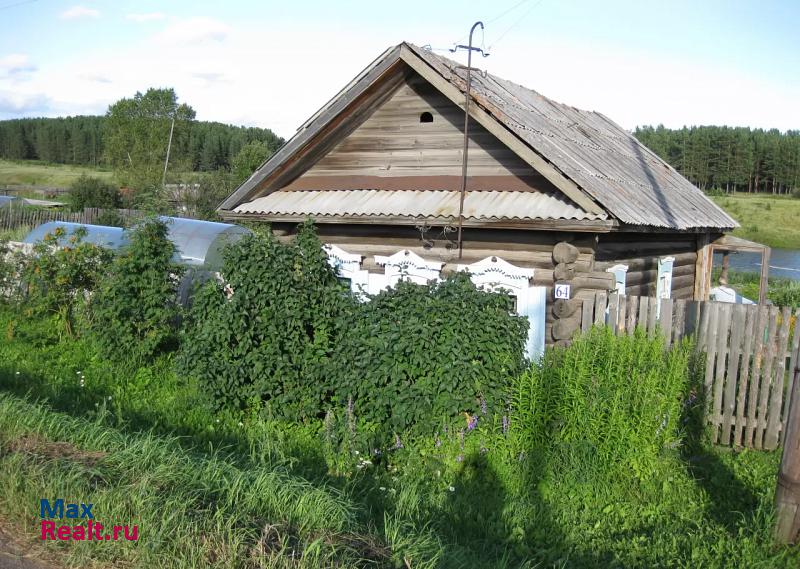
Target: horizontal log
612, 251
646, 263
686, 292
641, 277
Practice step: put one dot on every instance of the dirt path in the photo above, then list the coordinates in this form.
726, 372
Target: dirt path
14, 553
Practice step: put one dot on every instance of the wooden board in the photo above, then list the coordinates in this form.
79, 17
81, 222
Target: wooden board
732, 372
772, 434
751, 322
766, 378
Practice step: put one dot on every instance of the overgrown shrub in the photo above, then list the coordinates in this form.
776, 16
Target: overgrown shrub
61, 272
612, 400
88, 191
283, 331
134, 313
415, 355
272, 339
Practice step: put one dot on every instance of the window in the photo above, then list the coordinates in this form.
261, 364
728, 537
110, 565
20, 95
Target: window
426, 117
494, 274
408, 266
620, 273
348, 268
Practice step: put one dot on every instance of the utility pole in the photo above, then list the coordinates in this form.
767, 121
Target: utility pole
469, 49
169, 147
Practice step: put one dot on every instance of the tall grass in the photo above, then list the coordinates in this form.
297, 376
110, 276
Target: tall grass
191, 510
611, 400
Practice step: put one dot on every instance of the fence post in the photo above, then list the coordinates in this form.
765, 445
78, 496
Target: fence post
787, 494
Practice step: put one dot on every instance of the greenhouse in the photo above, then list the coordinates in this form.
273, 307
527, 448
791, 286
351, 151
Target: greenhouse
100, 235
198, 243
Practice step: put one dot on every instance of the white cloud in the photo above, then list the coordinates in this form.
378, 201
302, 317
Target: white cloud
15, 64
194, 31
12, 103
77, 12
235, 74
149, 17
95, 77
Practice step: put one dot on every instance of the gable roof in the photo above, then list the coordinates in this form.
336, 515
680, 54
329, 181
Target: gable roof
598, 165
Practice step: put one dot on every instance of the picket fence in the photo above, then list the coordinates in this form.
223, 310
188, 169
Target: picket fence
752, 357
15, 217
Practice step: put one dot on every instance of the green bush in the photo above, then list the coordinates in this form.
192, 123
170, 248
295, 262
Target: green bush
416, 354
611, 400
135, 312
272, 339
87, 191
283, 331
61, 273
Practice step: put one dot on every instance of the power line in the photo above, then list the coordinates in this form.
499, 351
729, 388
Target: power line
499, 16
512, 26
15, 4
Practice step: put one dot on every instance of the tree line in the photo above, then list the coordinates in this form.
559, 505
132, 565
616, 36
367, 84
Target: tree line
729, 158
83, 140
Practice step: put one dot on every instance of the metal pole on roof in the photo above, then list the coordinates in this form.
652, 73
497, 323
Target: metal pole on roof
469, 49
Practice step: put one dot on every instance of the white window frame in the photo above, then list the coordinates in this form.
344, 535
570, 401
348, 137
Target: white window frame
664, 282
348, 266
406, 265
620, 273
494, 274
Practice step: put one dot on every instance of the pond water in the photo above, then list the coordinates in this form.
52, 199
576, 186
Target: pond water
782, 262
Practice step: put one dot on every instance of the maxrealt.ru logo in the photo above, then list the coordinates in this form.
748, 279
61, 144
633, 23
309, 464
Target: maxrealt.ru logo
90, 531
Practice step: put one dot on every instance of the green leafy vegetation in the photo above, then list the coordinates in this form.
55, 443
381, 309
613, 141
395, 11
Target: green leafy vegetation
83, 140
88, 191
731, 159
595, 456
282, 331
60, 273
781, 291
134, 312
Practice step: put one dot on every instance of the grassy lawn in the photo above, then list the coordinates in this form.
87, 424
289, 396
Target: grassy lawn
767, 219
34, 173
247, 490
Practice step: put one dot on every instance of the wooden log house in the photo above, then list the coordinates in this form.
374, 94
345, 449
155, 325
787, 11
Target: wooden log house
553, 194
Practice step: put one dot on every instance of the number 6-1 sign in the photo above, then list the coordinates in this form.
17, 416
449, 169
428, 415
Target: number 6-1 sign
562, 291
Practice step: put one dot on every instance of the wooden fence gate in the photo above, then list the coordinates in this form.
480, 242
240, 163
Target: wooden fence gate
752, 354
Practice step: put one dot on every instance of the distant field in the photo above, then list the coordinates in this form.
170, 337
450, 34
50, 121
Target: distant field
27, 172
767, 219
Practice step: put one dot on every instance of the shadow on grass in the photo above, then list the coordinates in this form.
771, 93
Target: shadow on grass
729, 498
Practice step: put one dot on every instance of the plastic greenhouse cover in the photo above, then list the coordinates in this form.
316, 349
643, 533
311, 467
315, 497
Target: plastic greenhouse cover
199, 242
101, 235
5, 200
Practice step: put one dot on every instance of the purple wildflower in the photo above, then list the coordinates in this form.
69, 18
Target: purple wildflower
398, 444
483, 405
473, 422
506, 424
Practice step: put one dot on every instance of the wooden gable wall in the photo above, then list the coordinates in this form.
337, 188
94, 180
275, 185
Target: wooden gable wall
393, 142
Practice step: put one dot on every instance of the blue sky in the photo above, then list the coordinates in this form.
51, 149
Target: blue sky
272, 64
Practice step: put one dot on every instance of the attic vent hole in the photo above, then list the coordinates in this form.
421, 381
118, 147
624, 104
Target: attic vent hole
426, 117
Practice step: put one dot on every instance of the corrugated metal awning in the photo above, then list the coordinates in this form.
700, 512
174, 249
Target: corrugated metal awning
440, 205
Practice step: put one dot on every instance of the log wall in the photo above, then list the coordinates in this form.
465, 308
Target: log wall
641, 251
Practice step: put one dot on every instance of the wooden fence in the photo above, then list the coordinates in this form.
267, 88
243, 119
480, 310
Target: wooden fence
15, 217
752, 357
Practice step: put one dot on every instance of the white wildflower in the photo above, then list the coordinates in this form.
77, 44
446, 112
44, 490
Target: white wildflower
451, 488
